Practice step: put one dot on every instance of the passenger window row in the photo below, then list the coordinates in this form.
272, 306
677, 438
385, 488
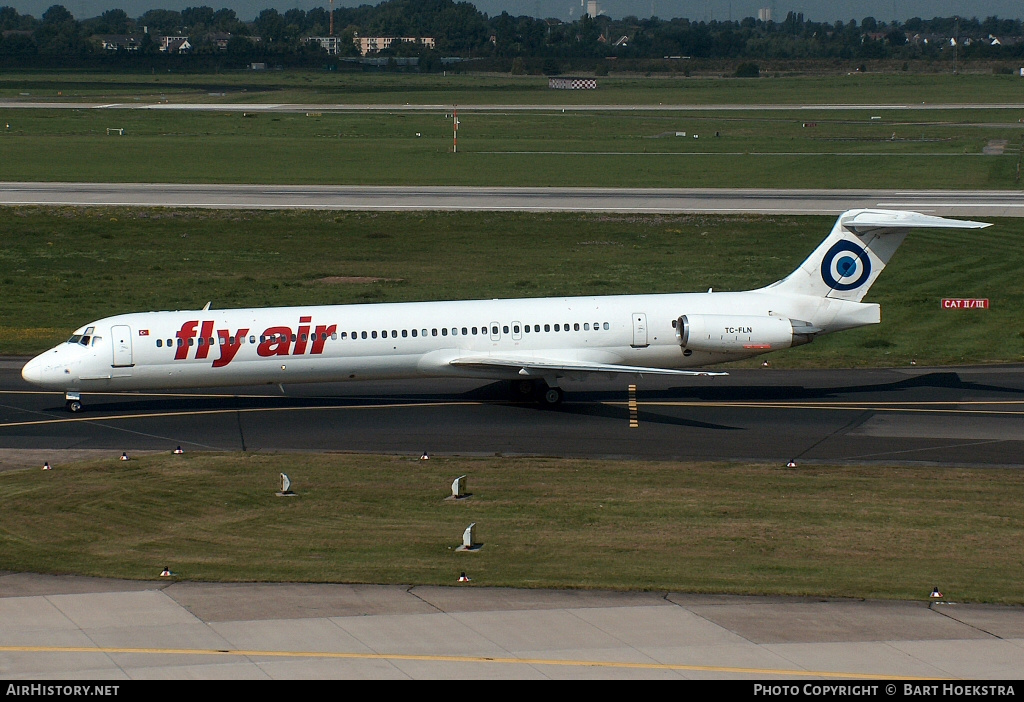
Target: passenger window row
472, 331
233, 341
393, 333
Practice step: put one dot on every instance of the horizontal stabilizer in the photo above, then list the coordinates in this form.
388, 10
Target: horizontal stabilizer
862, 221
539, 367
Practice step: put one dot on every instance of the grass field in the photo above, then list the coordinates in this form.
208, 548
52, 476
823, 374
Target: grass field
929, 148
836, 149
322, 87
63, 267
829, 531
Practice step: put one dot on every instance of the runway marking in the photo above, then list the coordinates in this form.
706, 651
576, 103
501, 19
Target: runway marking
931, 204
851, 406
457, 659
695, 403
920, 450
816, 154
425, 207
194, 413
632, 405
102, 393
633, 418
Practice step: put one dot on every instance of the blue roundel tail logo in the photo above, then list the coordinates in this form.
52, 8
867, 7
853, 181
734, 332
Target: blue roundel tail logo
845, 266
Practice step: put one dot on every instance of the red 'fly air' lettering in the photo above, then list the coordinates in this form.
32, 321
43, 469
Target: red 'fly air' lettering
300, 338
275, 341
203, 350
187, 331
278, 342
229, 346
320, 336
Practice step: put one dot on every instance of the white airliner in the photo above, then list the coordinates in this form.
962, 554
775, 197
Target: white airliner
538, 342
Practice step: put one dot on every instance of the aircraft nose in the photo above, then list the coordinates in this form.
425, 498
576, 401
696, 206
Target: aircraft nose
33, 371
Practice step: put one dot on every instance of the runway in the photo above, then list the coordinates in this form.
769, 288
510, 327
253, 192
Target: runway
931, 416
981, 203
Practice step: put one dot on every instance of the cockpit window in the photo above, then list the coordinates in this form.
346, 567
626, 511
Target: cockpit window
83, 338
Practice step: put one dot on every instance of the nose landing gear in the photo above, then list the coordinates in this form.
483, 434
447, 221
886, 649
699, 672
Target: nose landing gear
73, 402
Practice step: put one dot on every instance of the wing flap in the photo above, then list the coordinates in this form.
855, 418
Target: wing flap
533, 366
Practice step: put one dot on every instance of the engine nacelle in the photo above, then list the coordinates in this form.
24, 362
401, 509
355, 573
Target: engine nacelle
750, 333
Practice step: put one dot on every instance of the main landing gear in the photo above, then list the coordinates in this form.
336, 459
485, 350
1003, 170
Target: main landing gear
553, 396
73, 402
537, 390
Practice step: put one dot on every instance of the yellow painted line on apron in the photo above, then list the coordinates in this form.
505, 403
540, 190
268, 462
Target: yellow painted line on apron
453, 659
634, 419
196, 413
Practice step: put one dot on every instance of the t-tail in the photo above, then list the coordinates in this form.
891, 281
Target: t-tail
848, 262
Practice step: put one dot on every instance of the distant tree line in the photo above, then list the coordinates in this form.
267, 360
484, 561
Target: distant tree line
518, 44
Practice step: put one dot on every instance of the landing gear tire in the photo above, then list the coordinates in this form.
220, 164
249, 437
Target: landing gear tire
523, 388
553, 396
74, 406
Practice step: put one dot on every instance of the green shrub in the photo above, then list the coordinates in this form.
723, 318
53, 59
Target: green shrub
748, 70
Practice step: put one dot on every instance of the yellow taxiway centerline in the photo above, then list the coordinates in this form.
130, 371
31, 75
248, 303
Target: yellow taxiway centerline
195, 413
454, 659
934, 407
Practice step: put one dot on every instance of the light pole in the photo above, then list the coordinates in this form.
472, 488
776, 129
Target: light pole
956, 44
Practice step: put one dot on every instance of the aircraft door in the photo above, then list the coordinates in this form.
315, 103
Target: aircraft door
121, 340
517, 331
639, 330
495, 331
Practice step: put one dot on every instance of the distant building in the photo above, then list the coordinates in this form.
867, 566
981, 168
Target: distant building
328, 44
1004, 41
219, 39
374, 45
118, 42
174, 45
765, 14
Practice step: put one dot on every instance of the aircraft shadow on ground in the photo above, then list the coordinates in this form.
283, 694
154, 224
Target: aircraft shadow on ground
602, 404
596, 403
944, 380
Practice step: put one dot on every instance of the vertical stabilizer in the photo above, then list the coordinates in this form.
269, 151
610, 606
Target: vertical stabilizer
849, 260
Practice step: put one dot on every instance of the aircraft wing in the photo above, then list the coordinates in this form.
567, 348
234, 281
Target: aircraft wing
537, 367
